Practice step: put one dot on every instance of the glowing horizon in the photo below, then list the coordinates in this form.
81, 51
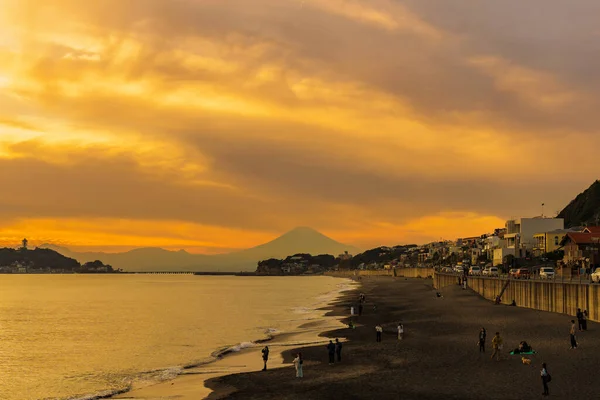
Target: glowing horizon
217, 125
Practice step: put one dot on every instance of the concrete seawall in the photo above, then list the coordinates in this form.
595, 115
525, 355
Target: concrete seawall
400, 272
558, 297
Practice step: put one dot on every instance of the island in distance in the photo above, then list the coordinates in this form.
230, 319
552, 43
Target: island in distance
298, 240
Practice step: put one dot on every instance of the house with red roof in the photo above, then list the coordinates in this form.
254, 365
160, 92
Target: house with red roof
580, 246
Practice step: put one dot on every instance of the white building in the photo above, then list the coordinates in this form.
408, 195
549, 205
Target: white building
520, 232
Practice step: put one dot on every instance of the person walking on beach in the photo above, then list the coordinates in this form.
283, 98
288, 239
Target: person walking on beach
545, 379
572, 335
331, 351
265, 356
482, 336
298, 364
379, 331
496, 346
400, 331
338, 349
579, 316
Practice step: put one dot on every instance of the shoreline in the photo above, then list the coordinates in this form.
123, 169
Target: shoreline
190, 383
438, 357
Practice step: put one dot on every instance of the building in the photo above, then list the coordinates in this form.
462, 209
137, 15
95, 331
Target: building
592, 229
501, 253
475, 254
547, 242
492, 243
520, 232
581, 247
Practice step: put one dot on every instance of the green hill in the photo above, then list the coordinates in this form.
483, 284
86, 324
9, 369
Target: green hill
584, 209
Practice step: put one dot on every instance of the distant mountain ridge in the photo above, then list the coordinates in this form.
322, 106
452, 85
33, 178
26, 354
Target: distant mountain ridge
584, 209
298, 240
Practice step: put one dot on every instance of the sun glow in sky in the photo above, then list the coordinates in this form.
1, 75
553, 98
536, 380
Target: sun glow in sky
213, 125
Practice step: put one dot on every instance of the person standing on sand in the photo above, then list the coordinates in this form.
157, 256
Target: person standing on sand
572, 335
579, 316
379, 331
298, 364
497, 346
265, 356
400, 331
482, 335
338, 349
545, 379
331, 351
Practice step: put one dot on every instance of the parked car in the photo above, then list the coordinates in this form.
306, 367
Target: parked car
546, 273
475, 270
490, 271
447, 269
596, 276
520, 273
512, 272
459, 269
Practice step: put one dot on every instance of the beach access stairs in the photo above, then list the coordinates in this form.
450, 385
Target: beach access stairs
504, 287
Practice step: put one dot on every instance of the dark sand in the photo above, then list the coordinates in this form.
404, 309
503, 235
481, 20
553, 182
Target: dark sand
438, 358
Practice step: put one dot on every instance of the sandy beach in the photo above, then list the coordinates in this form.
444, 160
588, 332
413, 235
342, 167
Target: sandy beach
439, 357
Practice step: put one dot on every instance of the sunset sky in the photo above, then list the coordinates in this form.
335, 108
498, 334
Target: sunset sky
213, 125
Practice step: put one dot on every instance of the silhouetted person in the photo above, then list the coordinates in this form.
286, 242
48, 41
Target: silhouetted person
496, 346
379, 331
579, 316
265, 356
545, 379
482, 336
331, 351
298, 364
338, 349
572, 335
584, 320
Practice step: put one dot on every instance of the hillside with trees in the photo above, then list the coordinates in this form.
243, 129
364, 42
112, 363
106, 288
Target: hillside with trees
45, 261
584, 209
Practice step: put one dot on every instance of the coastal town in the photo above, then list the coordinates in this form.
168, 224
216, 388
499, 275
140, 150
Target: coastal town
568, 243
522, 242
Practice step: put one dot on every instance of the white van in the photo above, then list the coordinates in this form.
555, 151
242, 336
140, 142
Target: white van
546, 273
490, 271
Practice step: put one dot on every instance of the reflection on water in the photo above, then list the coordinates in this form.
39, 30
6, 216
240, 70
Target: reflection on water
64, 336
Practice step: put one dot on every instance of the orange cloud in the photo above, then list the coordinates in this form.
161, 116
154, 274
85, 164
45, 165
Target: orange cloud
215, 125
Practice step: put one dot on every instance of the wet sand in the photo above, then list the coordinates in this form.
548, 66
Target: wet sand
438, 358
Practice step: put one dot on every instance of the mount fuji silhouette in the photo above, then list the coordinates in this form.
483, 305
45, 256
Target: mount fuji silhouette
298, 240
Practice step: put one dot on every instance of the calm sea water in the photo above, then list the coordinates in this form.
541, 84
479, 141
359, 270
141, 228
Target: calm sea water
72, 336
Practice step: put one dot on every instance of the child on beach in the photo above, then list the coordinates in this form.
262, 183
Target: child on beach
497, 346
298, 364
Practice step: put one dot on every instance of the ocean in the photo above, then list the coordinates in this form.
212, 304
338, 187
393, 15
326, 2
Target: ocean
84, 336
